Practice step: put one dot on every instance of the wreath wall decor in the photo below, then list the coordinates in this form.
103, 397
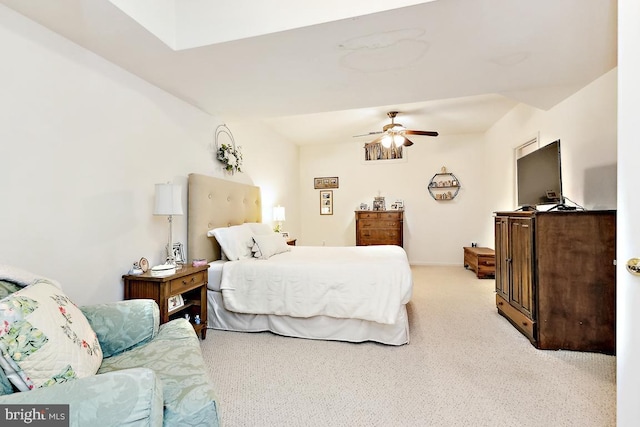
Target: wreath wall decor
227, 153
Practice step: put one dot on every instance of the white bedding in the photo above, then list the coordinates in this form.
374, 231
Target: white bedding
361, 282
215, 275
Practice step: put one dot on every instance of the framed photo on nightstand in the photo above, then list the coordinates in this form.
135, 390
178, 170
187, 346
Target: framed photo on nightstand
175, 302
178, 253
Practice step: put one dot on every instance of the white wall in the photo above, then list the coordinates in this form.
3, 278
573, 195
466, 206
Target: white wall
273, 163
82, 144
585, 123
435, 231
628, 289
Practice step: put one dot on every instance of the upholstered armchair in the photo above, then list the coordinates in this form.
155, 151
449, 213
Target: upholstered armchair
149, 375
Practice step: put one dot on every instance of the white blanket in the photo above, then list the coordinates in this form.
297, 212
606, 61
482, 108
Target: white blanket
362, 282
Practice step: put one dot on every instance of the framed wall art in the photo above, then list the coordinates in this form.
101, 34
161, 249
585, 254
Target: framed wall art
325, 182
376, 154
326, 202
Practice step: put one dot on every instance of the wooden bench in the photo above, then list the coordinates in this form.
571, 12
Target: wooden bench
480, 260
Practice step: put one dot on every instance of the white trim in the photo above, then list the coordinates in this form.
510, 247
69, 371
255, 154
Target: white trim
531, 144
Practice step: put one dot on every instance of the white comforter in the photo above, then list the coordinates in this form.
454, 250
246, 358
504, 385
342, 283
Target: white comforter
362, 282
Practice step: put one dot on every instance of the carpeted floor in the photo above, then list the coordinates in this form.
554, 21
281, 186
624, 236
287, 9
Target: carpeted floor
465, 366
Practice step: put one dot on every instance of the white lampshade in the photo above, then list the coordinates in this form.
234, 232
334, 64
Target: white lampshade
386, 141
278, 213
168, 199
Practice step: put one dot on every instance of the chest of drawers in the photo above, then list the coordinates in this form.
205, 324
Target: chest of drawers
379, 228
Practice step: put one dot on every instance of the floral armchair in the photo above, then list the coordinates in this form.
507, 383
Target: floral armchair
150, 374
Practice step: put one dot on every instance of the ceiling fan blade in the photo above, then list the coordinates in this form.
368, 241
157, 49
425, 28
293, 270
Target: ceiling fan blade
421, 132
368, 134
407, 142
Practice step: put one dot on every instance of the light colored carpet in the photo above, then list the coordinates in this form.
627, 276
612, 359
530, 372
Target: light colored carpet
465, 366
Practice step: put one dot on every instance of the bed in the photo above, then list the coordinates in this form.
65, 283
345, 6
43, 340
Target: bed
352, 294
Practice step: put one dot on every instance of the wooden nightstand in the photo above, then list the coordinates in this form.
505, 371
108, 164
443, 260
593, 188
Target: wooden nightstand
291, 242
189, 282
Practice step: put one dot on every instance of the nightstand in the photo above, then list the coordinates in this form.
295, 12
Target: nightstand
291, 242
189, 282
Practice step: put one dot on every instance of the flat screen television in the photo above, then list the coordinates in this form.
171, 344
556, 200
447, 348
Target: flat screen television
539, 175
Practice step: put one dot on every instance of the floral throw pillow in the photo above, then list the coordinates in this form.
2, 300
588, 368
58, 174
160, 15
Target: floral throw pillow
45, 339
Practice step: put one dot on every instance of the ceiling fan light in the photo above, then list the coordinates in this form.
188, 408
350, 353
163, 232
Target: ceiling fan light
386, 141
398, 140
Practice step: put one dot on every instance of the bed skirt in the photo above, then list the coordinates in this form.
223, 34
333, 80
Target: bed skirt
317, 327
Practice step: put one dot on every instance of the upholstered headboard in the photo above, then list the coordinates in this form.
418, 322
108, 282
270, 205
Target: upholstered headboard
213, 203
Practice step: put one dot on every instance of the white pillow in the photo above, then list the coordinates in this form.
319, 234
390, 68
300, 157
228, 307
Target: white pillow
45, 339
269, 245
236, 241
260, 228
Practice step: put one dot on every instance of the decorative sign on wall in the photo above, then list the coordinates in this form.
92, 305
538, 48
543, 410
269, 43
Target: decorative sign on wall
325, 182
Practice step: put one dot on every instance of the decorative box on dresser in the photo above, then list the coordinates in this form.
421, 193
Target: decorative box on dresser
379, 227
189, 282
555, 277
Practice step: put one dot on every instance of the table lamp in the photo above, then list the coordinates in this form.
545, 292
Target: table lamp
278, 216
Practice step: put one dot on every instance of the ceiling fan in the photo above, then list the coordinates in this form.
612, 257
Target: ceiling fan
396, 133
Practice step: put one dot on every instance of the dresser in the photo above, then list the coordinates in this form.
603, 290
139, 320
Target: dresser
379, 228
556, 278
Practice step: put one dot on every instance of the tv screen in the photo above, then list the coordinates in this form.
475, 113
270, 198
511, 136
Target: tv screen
539, 176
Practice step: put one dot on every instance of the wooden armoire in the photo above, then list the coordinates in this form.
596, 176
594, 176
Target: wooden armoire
555, 277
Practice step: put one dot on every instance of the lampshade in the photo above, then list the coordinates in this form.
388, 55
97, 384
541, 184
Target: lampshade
168, 199
386, 141
278, 213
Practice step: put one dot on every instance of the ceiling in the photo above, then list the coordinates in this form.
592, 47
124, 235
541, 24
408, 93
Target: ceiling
454, 66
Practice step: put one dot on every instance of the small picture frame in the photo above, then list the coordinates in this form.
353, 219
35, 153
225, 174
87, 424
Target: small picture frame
175, 302
144, 264
285, 234
379, 204
398, 205
364, 207
326, 202
178, 253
